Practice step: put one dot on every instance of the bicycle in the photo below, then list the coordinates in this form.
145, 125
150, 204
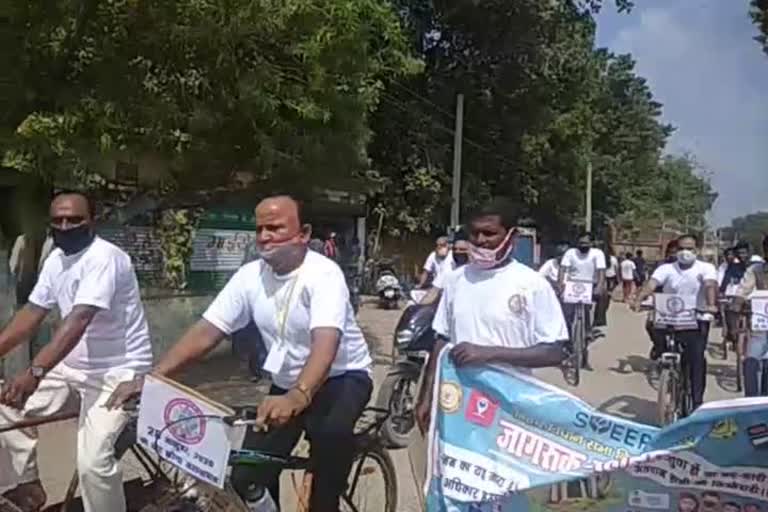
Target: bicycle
675, 397
675, 400
579, 344
160, 487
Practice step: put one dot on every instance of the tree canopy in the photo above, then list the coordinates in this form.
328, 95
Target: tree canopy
751, 228
211, 87
759, 13
306, 90
541, 102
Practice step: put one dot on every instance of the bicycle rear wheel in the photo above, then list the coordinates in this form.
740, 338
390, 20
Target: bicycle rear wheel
667, 402
372, 484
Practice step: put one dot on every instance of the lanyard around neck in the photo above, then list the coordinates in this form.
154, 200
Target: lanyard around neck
282, 310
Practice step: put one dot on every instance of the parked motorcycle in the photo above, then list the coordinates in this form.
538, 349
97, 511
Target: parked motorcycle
388, 289
414, 340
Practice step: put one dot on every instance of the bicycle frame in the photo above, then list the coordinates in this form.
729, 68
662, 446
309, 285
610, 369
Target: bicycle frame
674, 360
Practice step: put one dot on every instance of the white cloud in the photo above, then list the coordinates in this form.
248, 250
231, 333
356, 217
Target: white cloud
701, 61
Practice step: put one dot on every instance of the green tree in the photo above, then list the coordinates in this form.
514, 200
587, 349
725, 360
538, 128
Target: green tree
541, 103
276, 87
759, 13
752, 228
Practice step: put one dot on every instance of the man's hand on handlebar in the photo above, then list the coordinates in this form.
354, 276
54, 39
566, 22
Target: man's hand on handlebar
278, 410
125, 392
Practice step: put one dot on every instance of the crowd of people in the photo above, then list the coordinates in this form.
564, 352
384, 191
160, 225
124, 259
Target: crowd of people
492, 309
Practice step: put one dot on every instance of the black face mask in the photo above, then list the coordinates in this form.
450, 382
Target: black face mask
460, 258
74, 240
583, 249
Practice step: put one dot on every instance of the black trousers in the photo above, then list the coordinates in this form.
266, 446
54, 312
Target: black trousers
694, 344
601, 310
329, 423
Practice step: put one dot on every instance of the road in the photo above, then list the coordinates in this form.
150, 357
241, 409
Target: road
618, 384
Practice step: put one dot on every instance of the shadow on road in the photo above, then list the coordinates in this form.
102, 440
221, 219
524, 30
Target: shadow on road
631, 408
381, 351
725, 376
638, 364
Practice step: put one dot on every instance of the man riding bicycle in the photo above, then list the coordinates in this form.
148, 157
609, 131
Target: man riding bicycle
317, 355
585, 264
657, 335
756, 354
103, 340
688, 276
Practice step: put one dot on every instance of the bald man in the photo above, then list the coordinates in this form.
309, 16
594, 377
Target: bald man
317, 356
103, 340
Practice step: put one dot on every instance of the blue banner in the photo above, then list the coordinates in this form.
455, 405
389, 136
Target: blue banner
503, 441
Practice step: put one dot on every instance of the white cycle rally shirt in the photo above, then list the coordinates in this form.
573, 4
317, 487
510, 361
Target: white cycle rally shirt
583, 267
286, 308
100, 275
510, 306
689, 282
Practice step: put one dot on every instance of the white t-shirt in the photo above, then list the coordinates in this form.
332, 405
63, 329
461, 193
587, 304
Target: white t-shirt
437, 266
721, 273
583, 267
443, 277
510, 306
101, 275
314, 295
550, 269
688, 281
628, 268
613, 268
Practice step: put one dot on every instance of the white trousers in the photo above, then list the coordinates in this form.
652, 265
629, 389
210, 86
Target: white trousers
101, 480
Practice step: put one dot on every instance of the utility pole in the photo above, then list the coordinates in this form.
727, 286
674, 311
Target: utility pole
456, 185
588, 214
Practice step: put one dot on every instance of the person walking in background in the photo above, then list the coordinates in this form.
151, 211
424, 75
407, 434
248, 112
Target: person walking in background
628, 269
28, 254
604, 300
640, 268
612, 270
729, 255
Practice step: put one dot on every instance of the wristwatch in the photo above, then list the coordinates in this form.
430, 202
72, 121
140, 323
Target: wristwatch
37, 372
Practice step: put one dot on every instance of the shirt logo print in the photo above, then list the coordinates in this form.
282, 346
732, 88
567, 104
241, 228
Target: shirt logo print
517, 304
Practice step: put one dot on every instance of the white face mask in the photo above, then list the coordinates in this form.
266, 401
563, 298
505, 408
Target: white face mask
686, 256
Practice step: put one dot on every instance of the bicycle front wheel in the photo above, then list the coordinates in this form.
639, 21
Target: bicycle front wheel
667, 402
579, 343
372, 484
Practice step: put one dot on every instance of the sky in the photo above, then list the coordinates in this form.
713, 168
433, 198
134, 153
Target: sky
702, 63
